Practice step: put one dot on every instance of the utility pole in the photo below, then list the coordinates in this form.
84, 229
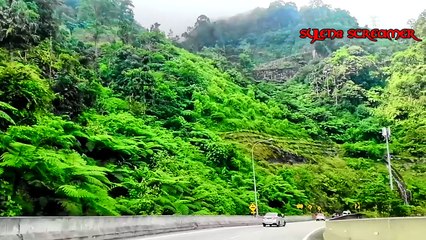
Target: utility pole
386, 134
254, 180
254, 174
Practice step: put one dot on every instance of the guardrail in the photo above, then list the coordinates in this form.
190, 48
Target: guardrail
376, 229
61, 228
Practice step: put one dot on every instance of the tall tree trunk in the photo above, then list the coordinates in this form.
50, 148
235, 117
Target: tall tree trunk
10, 51
96, 38
51, 60
96, 50
336, 88
328, 87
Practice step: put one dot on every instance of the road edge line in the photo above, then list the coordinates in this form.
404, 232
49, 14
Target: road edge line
312, 233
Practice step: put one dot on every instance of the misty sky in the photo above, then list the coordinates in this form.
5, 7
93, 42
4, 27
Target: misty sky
178, 14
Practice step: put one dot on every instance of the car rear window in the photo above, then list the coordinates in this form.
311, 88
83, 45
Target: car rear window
271, 214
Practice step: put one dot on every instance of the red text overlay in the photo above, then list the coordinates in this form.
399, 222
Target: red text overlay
316, 34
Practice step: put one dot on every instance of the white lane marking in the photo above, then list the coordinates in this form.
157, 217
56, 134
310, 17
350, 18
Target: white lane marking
167, 235
314, 231
235, 237
193, 232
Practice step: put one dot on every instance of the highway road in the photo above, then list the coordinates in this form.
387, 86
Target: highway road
292, 231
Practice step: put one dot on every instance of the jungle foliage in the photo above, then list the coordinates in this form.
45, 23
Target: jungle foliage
99, 116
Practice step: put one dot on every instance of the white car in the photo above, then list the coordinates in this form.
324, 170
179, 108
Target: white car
347, 212
320, 217
273, 219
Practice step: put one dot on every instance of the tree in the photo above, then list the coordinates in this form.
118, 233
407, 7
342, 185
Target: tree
27, 22
18, 24
277, 4
67, 16
202, 34
420, 24
282, 14
170, 35
47, 23
155, 27
317, 3
201, 21
126, 21
100, 16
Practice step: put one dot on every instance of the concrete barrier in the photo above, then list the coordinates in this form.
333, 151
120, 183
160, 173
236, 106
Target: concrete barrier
316, 235
70, 228
376, 229
349, 216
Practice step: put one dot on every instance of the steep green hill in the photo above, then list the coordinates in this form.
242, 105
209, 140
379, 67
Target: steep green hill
141, 126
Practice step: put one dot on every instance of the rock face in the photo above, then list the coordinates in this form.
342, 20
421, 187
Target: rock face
281, 156
277, 75
279, 70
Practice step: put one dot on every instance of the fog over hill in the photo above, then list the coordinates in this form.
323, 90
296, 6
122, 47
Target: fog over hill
177, 15
101, 118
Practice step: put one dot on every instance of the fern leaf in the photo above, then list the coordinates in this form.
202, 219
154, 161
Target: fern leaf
7, 106
105, 209
72, 208
6, 117
74, 192
94, 180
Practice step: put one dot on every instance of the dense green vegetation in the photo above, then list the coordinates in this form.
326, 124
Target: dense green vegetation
99, 116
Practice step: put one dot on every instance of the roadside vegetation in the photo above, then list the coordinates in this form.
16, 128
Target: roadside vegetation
100, 116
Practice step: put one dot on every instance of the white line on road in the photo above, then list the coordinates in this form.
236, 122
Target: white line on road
311, 233
192, 232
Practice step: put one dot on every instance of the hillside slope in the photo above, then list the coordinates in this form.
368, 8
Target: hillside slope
140, 126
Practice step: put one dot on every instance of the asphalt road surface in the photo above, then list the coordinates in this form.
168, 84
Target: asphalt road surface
292, 231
